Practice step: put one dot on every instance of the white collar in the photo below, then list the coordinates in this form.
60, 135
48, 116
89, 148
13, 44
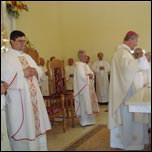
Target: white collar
128, 48
17, 52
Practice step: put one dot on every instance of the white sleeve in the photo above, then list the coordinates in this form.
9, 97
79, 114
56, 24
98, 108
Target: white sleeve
143, 63
15, 79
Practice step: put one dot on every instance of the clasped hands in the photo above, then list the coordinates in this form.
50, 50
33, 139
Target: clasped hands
90, 76
29, 71
71, 75
101, 68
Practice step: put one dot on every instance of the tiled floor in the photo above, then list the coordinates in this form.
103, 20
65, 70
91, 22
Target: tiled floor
58, 140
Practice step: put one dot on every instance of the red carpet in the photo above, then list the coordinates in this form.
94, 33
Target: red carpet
96, 140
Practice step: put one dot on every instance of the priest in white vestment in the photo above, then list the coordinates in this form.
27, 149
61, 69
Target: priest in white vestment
5, 144
86, 104
50, 75
125, 133
27, 117
101, 69
140, 81
69, 73
44, 79
88, 62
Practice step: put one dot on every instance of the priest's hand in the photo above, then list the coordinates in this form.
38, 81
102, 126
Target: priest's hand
4, 87
28, 72
148, 56
71, 75
90, 76
101, 68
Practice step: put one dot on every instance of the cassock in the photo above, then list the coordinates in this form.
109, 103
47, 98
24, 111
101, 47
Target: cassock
125, 133
26, 112
86, 104
140, 81
102, 81
44, 82
5, 144
69, 80
147, 76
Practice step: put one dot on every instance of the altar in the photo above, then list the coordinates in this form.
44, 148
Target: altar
140, 101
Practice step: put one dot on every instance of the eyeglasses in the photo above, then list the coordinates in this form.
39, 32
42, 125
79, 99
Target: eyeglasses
21, 41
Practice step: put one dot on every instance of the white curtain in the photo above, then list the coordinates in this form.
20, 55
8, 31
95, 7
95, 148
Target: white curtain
8, 24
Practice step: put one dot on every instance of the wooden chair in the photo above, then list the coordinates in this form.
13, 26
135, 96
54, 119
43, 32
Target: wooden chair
33, 53
56, 108
69, 105
58, 75
59, 86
